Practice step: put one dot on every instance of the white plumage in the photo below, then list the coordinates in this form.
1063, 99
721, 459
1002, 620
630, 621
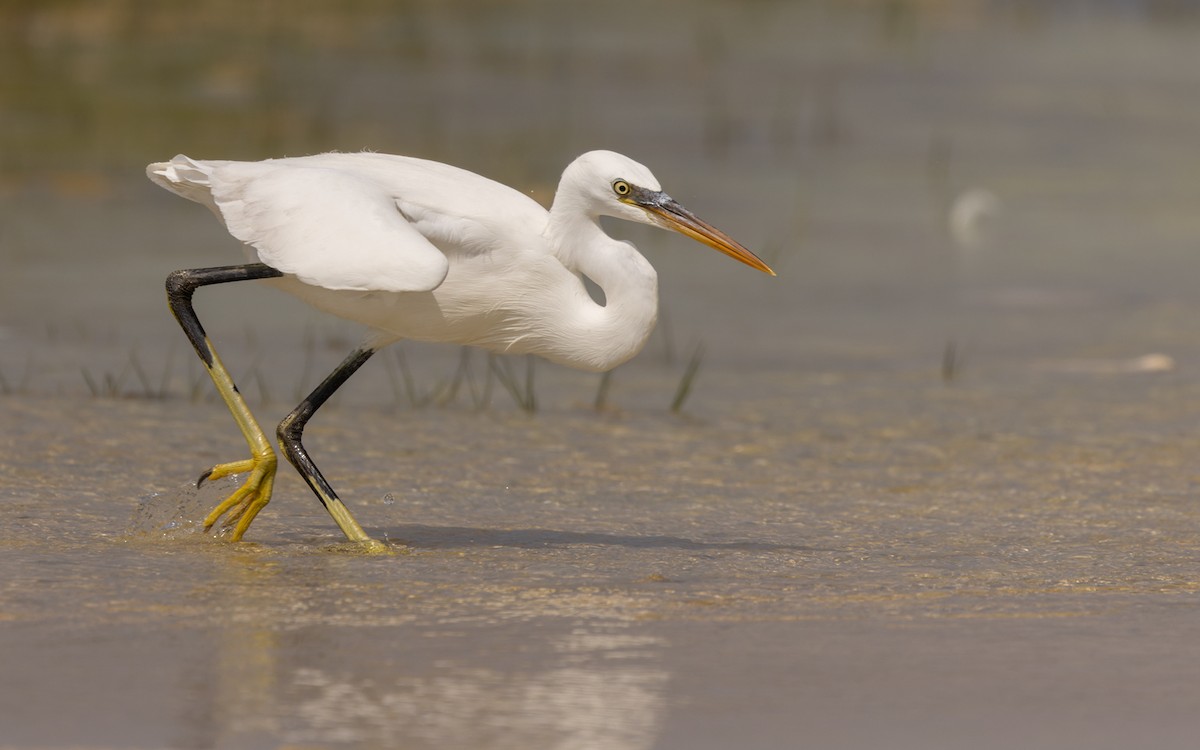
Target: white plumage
421, 250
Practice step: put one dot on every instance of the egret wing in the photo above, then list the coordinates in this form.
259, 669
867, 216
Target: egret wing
328, 227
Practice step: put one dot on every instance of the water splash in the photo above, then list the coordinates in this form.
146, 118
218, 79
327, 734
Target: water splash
180, 512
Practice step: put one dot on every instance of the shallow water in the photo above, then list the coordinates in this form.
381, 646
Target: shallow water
929, 488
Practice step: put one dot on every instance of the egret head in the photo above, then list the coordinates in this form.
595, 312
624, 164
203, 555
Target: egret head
618, 186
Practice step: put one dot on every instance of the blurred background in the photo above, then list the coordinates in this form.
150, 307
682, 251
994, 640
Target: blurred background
940, 184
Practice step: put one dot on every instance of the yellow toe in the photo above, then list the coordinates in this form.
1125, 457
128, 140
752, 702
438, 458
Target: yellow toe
240, 508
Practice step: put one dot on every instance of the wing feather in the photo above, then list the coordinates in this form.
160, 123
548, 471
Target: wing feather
326, 226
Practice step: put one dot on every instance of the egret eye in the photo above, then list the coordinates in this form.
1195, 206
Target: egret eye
621, 188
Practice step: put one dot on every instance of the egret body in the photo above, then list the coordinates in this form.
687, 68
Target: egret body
415, 249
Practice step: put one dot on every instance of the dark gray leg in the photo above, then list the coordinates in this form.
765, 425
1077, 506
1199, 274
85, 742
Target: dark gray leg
182, 284
254, 494
291, 432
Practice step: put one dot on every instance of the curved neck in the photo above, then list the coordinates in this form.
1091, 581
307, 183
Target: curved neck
616, 330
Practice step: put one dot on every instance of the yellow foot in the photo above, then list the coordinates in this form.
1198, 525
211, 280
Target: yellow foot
245, 503
374, 547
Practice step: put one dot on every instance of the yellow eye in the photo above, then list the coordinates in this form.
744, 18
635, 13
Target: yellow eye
621, 188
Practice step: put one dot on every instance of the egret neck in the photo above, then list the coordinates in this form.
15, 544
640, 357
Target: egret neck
619, 328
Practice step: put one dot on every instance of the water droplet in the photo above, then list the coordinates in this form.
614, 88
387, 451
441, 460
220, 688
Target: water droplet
389, 499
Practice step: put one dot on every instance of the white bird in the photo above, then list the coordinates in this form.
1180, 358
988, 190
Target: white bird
415, 249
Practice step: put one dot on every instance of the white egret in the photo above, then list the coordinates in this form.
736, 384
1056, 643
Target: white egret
415, 249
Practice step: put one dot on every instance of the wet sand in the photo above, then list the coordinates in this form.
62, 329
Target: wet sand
621, 580
929, 489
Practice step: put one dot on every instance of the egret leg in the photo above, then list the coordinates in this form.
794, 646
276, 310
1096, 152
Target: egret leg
245, 503
291, 432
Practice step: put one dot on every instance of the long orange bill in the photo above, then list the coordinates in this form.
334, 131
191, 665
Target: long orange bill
668, 214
